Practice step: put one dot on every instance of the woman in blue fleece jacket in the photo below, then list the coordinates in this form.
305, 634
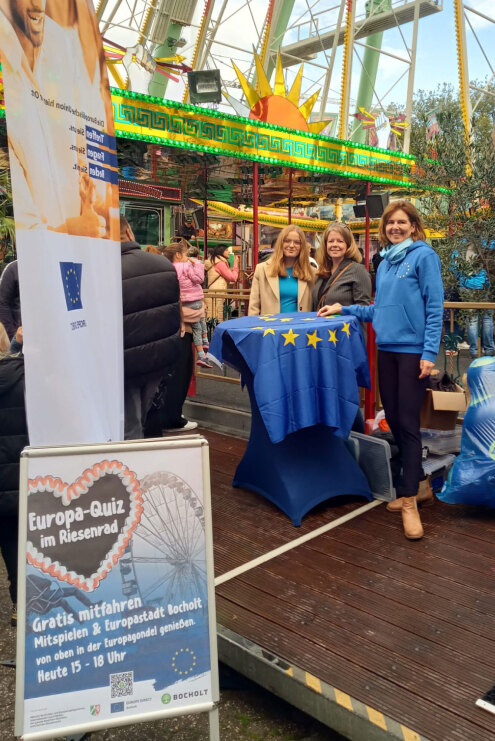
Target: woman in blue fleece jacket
407, 318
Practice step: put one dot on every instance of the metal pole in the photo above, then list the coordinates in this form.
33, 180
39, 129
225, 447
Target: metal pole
205, 213
255, 215
347, 69
369, 394
367, 228
462, 63
289, 210
410, 79
214, 725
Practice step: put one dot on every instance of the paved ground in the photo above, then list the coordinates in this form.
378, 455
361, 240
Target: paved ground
247, 712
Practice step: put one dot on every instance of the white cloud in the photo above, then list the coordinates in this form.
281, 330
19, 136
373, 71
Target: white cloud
482, 6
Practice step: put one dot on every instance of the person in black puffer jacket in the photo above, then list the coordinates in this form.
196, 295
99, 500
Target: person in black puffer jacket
13, 438
151, 308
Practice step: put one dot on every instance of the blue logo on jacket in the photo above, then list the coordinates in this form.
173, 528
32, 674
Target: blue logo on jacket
71, 280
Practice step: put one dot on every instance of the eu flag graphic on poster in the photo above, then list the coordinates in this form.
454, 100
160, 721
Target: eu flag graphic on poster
71, 279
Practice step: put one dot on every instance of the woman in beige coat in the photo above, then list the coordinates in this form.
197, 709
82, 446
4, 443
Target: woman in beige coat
283, 284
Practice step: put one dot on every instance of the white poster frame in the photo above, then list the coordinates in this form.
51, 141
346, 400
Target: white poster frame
113, 449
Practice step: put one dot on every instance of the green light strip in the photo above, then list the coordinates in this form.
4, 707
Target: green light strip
271, 160
240, 119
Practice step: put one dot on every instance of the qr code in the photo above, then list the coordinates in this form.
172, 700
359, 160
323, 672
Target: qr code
121, 685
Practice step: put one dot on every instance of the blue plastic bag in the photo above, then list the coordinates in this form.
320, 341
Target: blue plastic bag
471, 479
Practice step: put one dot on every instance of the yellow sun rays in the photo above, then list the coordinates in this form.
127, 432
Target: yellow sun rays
280, 90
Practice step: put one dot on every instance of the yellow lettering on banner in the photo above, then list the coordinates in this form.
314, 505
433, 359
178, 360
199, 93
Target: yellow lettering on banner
344, 700
377, 718
410, 735
313, 683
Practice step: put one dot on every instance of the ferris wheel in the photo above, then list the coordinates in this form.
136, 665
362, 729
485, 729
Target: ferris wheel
165, 562
359, 57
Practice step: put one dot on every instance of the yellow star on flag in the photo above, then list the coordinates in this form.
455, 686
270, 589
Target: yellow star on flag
309, 319
333, 336
313, 339
346, 329
269, 318
257, 328
268, 331
287, 319
290, 337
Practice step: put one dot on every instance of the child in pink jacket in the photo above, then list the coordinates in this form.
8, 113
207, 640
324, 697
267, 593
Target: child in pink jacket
191, 274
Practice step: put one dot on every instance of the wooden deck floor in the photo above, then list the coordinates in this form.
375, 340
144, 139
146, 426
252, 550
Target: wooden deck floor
407, 629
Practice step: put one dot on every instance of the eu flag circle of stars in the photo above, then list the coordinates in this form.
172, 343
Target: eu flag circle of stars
312, 338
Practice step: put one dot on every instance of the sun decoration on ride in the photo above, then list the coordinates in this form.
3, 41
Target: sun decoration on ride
276, 106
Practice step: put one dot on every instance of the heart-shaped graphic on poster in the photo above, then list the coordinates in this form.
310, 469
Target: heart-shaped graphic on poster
77, 532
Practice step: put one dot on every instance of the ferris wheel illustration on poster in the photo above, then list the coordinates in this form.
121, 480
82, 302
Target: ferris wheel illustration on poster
166, 560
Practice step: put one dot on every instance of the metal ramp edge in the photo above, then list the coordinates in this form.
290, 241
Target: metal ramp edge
336, 709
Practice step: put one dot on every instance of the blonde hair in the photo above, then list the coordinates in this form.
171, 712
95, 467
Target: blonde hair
302, 266
323, 258
4, 340
412, 214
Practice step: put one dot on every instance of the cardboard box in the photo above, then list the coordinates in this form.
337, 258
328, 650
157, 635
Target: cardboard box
441, 408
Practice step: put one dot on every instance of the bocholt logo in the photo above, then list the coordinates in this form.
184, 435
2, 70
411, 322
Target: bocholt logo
71, 279
94, 709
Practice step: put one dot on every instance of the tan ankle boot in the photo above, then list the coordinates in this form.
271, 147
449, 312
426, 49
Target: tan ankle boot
423, 497
413, 529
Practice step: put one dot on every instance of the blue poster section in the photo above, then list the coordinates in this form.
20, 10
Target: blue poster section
148, 616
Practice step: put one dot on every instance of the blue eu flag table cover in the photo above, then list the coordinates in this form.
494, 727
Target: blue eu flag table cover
302, 373
306, 369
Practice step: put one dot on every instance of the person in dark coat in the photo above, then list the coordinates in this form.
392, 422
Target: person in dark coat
13, 438
10, 303
152, 325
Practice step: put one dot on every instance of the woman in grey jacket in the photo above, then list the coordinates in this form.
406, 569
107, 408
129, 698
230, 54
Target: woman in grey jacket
341, 278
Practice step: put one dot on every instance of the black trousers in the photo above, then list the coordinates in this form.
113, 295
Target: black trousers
402, 394
9, 525
169, 412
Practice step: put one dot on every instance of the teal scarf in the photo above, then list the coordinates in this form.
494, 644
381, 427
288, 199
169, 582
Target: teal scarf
397, 252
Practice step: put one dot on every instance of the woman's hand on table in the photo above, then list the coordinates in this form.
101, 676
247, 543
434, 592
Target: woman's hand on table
329, 310
425, 366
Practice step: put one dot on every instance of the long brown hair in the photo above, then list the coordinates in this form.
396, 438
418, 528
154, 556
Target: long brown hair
173, 249
323, 258
413, 215
302, 267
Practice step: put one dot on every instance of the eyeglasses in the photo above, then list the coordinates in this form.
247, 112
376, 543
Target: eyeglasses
292, 241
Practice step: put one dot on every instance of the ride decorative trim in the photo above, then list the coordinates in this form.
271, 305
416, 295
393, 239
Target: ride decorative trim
191, 127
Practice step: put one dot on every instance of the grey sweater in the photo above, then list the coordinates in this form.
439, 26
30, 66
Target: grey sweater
351, 287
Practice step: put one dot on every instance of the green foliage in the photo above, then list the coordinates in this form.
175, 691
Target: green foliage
7, 230
466, 218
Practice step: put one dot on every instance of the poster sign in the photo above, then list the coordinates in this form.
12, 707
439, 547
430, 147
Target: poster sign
116, 601
63, 164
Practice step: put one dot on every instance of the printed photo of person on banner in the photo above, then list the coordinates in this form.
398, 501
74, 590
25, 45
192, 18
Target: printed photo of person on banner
64, 171
50, 52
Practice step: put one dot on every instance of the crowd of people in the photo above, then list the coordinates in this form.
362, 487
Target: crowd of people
165, 329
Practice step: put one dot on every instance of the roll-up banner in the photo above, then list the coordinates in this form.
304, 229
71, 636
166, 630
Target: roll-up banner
116, 589
64, 173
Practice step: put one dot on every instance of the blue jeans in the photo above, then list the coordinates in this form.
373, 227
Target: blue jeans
486, 333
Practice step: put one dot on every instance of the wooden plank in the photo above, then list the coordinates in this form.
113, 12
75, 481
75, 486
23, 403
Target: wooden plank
392, 627
406, 628
452, 695
413, 711
439, 618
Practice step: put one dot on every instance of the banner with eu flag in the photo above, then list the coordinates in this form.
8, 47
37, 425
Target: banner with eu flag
64, 172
